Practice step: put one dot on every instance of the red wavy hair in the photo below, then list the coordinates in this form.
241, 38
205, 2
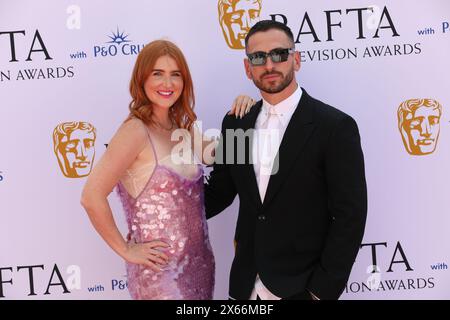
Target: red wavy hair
182, 112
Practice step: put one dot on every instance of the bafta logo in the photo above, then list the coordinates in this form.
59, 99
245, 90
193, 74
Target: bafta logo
419, 125
236, 17
74, 147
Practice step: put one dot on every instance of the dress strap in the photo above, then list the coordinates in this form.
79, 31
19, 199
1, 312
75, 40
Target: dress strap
151, 142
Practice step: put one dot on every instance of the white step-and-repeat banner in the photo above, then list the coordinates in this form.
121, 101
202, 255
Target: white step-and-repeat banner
64, 71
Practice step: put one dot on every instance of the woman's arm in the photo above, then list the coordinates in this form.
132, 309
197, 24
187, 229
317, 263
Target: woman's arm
124, 148
203, 146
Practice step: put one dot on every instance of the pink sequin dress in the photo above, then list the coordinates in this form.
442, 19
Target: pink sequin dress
170, 208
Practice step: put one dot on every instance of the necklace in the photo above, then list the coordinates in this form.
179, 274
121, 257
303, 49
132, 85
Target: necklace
162, 127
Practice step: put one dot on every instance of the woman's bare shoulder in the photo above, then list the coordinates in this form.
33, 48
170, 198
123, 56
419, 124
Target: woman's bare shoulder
131, 132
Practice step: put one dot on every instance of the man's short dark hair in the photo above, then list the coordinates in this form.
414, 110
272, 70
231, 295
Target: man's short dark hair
266, 25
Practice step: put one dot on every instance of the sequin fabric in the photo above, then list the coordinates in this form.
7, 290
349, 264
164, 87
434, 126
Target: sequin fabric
170, 208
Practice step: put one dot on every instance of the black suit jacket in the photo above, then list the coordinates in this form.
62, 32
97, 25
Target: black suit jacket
307, 232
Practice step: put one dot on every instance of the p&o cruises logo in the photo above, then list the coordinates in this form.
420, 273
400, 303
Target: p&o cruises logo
119, 44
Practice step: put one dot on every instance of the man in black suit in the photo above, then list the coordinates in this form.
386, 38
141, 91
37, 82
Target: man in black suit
303, 207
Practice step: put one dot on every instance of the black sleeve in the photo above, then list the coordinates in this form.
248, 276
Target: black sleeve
220, 190
347, 193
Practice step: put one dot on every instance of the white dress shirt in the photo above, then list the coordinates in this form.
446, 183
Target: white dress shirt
270, 127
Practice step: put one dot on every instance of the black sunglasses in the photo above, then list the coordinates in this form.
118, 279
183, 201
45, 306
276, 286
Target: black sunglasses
276, 55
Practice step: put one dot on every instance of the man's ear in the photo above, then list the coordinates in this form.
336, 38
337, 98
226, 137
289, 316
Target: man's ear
297, 61
247, 69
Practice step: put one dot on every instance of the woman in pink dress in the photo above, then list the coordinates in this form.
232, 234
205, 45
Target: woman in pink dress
160, 183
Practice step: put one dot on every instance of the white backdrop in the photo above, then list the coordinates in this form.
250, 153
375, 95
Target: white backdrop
52, 71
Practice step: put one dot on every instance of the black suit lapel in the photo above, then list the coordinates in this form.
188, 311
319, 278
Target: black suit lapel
295, 137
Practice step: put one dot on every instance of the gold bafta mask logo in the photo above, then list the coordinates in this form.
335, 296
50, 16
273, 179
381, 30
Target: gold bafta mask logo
74, 147
419, 124
236, 17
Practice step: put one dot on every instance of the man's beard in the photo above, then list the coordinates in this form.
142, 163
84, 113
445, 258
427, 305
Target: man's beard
285, 82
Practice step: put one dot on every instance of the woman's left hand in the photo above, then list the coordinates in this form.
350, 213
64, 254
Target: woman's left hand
242, 105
